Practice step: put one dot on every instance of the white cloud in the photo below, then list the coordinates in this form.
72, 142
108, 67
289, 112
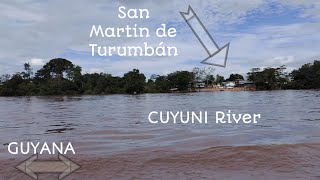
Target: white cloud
47, 29
37, 62
25, 14
311, 7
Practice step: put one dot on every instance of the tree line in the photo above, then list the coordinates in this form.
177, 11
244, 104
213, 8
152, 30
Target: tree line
61, 77
306, 77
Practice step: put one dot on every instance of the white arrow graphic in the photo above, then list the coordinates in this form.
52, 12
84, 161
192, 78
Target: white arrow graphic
33, 166
193, 20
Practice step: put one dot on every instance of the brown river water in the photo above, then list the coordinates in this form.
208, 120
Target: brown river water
113, 138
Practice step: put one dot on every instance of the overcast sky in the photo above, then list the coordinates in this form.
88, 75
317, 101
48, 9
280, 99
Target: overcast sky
262, 33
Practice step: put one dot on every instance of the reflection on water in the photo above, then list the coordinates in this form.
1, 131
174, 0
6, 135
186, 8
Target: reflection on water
108, 124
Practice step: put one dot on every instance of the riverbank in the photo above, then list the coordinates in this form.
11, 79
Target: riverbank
223, 89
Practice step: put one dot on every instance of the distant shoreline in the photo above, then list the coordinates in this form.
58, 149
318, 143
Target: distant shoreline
174, 92
61, 77
223, 89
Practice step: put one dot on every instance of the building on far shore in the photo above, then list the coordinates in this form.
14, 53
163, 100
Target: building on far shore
237, 85
229, 85
200, 85
246, 84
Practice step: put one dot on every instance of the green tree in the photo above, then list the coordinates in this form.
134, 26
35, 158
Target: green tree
199, 74
151, 84
12, 87
134, 81
4, 78
219, 79
19, 84
269, 78
162, 84
181, 80
27, 74
210, 79
234, 77
252, 75
56, 68
306, 77
57, 77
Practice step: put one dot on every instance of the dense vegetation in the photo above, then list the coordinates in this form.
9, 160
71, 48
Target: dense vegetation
269, 78
61, 77
306, 77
